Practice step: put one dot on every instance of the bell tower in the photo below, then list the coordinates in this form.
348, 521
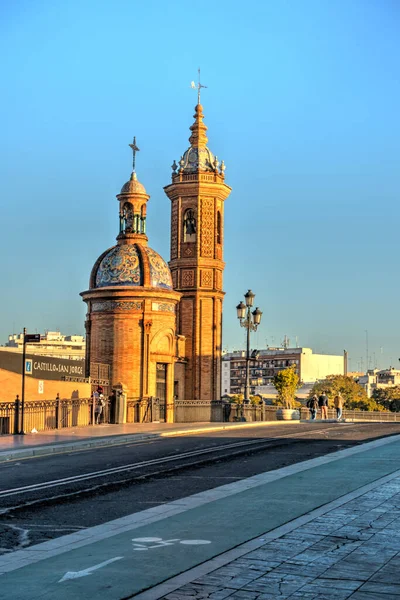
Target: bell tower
197, 193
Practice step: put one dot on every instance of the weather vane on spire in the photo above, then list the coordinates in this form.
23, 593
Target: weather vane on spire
134, 150
197, 87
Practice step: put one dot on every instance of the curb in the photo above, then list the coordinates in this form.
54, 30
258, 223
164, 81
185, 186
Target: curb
115, 440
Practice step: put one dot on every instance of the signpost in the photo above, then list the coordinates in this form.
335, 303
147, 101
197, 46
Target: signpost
29, 338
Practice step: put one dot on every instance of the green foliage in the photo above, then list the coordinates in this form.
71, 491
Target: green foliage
367, 404
354, 395
388, 397
277, 402
237, 398
256, 399
286, 383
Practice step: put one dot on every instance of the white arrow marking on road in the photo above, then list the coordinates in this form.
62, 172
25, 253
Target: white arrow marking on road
76, 574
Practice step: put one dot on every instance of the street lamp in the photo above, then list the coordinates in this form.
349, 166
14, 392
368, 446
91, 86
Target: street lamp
250, 320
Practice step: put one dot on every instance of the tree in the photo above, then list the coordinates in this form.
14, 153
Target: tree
286, 383
388, 397
354, 395
237, 398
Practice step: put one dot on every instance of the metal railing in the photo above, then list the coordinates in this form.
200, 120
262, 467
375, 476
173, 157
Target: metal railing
55, 414
146, 410
358, 415
42, 415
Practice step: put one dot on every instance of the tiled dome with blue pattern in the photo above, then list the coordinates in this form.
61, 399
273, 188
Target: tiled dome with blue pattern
124, 265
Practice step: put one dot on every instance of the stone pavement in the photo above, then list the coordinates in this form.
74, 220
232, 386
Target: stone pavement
352, 551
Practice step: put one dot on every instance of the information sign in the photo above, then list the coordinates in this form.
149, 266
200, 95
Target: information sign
32, 338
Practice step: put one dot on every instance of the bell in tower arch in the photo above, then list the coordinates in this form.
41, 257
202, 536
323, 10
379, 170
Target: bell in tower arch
189, 226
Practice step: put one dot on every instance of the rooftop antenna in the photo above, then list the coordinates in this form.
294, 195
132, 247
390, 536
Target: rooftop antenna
134, 150
197, 87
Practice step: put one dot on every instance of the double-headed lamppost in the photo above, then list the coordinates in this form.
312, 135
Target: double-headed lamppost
249, 320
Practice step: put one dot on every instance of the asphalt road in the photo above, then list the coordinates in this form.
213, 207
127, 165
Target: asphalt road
46, 497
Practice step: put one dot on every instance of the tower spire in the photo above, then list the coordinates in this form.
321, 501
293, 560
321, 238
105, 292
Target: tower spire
134, 150
198, 138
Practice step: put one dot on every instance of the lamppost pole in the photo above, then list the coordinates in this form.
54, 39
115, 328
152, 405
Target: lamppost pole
22, 431
247, 381
249, 320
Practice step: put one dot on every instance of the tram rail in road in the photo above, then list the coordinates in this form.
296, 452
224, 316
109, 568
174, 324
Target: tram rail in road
244, 445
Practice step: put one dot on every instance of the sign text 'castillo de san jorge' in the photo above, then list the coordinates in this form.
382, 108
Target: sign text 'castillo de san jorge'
43, 367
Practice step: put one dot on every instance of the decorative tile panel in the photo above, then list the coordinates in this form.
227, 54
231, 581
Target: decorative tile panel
160, 275
111, 305
163, 306
187, 278
206, 278
206, 226
120, 266
188, 249
174, 229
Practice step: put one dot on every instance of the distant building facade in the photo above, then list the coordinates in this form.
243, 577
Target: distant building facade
52, 343
263, 367
374, 379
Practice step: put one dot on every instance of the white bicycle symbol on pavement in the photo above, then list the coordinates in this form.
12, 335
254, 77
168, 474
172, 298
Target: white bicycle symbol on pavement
147, 543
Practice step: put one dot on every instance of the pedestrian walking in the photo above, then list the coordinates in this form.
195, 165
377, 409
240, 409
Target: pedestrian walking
323, 404
338, 403
100, 404
312, 405
95, 396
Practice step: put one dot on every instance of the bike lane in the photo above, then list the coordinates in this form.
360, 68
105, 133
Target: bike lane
126, 563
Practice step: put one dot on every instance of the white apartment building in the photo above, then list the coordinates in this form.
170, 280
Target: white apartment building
52, 343
375, 379
266, 363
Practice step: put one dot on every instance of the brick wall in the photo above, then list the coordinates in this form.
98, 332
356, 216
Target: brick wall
10, 386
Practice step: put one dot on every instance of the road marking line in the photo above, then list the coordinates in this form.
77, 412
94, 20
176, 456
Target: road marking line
155, 461
89, 571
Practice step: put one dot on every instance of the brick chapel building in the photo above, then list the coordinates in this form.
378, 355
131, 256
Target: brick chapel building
159, 327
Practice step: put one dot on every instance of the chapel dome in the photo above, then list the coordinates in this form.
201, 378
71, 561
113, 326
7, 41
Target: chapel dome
131, 265
133, 186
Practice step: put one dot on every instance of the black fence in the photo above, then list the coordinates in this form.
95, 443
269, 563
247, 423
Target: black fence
61, 413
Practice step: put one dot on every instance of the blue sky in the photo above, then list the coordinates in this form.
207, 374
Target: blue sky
302, 104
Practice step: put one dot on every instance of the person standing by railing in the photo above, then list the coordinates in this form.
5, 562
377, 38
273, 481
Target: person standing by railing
323, 404
99, 403
338, 403
312, 405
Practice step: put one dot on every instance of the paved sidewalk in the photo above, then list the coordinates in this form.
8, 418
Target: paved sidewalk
352, 551
65, 440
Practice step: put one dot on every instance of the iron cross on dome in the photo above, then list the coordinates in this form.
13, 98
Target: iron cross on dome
134, 150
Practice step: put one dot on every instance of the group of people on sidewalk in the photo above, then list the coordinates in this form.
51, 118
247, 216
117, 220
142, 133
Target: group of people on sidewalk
315, 402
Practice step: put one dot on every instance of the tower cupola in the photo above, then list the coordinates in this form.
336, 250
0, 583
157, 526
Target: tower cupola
198, 158
132, 206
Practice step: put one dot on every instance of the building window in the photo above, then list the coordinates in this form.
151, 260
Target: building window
189, 226
219, 236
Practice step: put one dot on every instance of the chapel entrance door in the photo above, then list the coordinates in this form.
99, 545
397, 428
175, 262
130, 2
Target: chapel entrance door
161, 388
